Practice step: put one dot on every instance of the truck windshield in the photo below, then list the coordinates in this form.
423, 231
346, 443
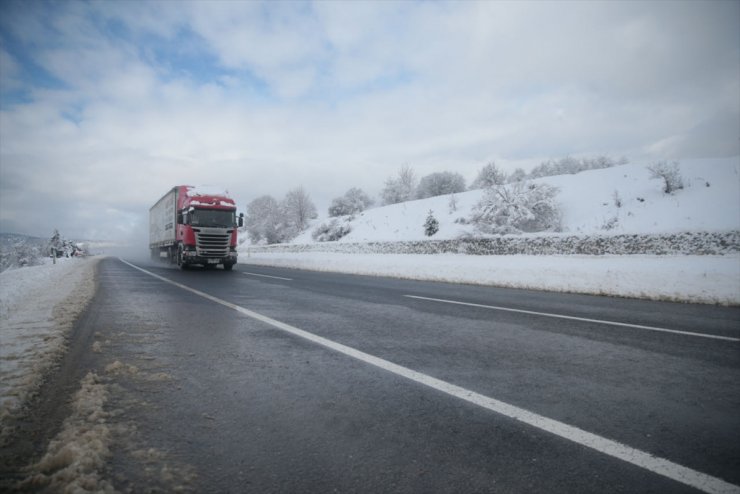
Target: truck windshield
213, 218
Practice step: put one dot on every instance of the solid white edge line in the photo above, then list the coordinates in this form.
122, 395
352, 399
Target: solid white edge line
574, 318
266, 276
636, 457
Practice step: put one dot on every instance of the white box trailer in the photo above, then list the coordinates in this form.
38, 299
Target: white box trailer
163, 220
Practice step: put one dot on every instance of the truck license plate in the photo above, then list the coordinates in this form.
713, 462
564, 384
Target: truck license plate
212, 261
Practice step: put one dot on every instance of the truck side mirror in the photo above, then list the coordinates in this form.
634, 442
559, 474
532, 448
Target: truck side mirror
240, 221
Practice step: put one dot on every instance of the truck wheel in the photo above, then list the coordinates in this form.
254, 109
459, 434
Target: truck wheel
180, 262
228, 267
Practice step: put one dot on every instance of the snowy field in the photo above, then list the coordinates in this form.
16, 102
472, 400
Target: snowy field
38, 306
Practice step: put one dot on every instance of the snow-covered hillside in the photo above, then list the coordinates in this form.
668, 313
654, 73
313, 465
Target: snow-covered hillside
612, 201
709, 201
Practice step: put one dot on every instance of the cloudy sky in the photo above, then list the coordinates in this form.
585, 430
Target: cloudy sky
106, 105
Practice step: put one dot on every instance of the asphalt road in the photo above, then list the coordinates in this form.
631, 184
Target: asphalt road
275, 380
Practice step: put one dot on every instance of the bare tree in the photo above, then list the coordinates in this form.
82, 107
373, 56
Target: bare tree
297, 209
400, 188
264, 220
669, 173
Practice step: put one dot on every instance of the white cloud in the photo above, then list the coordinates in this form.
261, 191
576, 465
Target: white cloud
336, 95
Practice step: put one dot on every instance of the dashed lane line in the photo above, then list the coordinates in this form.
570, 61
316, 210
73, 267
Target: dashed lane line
266, 276
642, 459
574, 318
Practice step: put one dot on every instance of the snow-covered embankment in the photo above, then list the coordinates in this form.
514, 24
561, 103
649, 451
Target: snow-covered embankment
696, 279
38, 307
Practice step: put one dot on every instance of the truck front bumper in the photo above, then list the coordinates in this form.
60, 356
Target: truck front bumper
191, 257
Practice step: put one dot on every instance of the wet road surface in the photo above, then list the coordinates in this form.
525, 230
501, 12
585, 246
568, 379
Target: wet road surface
211, 391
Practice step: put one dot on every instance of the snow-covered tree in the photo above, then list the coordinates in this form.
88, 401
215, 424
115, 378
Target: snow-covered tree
438, 184
669, 173
571, 165
431, 225
544, 169
488, 176
264, 220
517, 176
401, 188
56, 244
21, 251
297, 209
518, 207
353, 201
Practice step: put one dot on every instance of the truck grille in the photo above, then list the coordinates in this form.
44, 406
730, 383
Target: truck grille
212, 242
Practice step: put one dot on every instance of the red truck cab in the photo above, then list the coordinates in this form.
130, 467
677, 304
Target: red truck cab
195, 225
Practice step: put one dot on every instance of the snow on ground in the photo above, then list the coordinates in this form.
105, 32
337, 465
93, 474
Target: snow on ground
75, 458
38, 306
700, 279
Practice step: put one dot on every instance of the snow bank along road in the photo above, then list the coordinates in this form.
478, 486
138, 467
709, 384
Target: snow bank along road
276, 380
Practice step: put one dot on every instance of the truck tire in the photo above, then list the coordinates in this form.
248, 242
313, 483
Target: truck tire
228, 266
180, 262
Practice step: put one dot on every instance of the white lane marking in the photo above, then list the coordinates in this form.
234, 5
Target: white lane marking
639, 458
267, 276
583, 319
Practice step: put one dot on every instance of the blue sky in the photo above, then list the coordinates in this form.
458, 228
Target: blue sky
105, 105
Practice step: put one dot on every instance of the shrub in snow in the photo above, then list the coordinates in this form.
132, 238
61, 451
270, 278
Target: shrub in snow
439, 184
20, 254
617, 199
488, 176
516, 208
610, 224
431, 225
329, 232
669, 173
353, 201
452, 204
687, 243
